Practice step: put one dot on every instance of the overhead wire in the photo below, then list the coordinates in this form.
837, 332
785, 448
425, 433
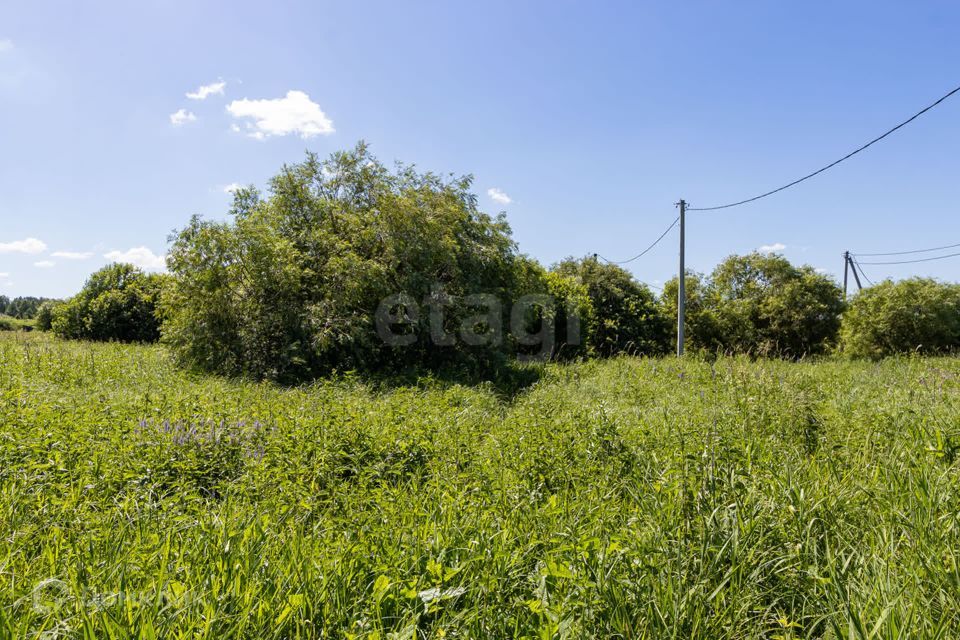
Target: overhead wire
948, 255
862, 272
832, 164
903, 253
645, 251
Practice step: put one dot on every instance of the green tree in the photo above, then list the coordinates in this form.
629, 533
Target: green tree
626, 317
915, 315
291, 287
24, 308
702, 327
44, 317
118, 302
761, 305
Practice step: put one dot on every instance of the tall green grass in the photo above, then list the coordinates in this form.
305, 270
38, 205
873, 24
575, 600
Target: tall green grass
628, 498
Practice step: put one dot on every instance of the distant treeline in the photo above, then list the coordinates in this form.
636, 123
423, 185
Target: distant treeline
347, 265
23, 308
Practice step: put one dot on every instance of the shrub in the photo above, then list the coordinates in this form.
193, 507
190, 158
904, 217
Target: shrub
762, 305
44, 317
289, 289
575, 318
702, 330
915, 315
118, 302
625, 315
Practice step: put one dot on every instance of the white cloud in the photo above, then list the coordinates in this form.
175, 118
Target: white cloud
498, 196
182, 117
4, 274
6, 45
295, 113
214, 88
44, 264
139, 256
822, 271
233, 186
72, 255
776, 247
30, 245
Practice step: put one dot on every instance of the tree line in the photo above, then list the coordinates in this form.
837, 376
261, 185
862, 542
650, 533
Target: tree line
345, 264
21, 307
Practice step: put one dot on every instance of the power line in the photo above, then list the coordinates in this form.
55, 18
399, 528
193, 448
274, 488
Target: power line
832, 164
949, 255
645, 251
903, 253
862, 272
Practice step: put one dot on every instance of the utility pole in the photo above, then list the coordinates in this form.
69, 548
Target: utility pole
846, 268
853, 268
682, 288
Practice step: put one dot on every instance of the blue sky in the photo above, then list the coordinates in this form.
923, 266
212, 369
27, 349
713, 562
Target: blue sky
592, 118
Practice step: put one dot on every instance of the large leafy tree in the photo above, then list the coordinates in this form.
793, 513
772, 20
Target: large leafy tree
909, 316
290, 288
762, 305
117, 303
625, 315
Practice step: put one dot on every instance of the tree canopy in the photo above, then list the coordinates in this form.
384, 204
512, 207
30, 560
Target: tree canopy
762, 305
345, 264
625, 317
117, 303
914, 315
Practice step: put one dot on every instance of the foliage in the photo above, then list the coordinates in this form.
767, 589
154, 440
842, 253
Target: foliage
118, 302
914, 315
629, 497
575, 319
44, 316
289, 289
22, 308
626, 318
702, 330
762, 305
8, 323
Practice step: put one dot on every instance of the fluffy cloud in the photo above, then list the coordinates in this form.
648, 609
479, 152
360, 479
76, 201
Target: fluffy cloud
30, 245
6, 45
776, 247
498, 196
214, 88
4, 274
139, 256
44, 264
295, 113
233, 186
72, 255
181, 117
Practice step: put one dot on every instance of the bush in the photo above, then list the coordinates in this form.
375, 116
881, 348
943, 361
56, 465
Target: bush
117, 303
44, 317
702, 330
575, 318
915, 315
625, 318
290, 289
762, 305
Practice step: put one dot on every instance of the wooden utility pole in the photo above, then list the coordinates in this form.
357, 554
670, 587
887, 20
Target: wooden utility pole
846, 268
853, 268
682, 288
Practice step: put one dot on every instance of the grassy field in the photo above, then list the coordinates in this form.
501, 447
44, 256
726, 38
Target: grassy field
627, 498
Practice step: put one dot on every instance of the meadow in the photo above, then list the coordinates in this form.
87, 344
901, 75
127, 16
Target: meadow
630, 497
